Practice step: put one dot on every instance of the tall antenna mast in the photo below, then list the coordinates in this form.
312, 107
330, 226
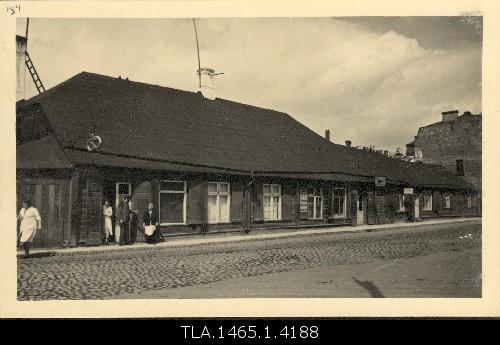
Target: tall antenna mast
198, 51
27, 26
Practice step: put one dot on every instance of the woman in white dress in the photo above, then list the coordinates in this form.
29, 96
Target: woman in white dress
30, 222
108, 224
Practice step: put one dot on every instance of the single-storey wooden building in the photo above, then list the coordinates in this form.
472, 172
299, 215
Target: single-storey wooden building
207, 165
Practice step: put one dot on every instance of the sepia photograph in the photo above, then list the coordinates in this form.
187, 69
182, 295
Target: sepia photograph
214, 158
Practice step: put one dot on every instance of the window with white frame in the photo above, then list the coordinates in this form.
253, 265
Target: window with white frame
401, 203
447, 201
427, 202
339, 203
218, 202
469, 201
314, 203
272, 201
172, 201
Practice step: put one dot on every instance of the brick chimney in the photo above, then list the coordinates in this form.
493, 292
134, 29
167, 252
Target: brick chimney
327, 134
348, 143
20, 66
450, 115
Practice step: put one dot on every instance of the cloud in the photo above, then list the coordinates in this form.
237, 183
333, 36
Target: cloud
373, 85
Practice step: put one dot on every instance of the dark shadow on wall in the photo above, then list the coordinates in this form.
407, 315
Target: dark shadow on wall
370, 287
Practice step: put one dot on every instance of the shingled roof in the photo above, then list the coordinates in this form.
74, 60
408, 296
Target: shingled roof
164, 127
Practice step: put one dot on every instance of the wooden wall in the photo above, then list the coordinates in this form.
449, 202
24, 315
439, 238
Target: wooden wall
51, 197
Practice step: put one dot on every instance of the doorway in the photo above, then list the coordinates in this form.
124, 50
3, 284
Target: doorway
122, 189
361, 209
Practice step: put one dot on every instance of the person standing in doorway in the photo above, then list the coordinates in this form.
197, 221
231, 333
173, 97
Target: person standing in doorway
151, 225
30, 223
123, 216
108, 223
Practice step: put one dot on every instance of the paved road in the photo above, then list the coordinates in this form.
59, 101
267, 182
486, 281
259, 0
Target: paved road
167, 272
436, 275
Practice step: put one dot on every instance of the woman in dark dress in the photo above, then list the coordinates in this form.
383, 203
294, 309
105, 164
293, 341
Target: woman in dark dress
151, 225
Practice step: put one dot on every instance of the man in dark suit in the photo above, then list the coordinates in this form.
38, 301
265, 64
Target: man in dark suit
150, 219
123, 216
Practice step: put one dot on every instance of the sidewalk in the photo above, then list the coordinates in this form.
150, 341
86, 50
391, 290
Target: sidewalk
239, 236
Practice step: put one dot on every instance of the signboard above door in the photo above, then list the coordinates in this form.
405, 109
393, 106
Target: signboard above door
379, 181
408, 191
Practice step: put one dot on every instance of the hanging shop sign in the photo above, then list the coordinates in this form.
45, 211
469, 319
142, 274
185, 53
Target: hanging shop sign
408, 191
94, 142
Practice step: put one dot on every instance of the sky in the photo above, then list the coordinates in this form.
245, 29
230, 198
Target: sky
371, 80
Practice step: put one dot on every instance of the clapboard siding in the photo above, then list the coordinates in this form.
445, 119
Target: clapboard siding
47, 195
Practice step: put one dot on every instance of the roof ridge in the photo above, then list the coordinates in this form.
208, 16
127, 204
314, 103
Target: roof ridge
162, 87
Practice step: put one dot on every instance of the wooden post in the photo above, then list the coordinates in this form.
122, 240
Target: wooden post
248, 204
249, 207
354, 207
74, 209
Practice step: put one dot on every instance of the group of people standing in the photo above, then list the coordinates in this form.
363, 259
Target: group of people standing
124, 232
126, 224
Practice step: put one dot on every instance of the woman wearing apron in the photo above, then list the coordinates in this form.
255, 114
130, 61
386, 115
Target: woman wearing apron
108, 223
30, 222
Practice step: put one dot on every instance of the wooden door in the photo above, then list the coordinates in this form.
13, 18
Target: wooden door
416, 207
361, 206
95, 218
46, 198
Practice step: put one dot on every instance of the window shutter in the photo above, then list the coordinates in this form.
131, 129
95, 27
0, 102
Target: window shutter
236, 189
257, 201
348, 203
287, 202
196, 202
437, 201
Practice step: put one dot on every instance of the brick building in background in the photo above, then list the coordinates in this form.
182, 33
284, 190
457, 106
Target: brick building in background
454, 143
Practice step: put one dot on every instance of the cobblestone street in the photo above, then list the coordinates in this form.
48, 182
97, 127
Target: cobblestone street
111, 274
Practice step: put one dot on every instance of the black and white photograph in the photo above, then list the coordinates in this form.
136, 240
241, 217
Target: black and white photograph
221, 158
276, 157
